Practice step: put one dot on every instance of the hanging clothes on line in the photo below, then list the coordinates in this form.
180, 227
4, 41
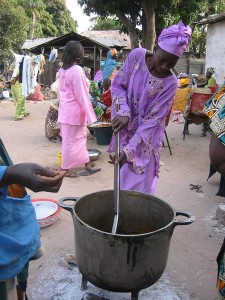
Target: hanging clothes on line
28, 67
53, 55
18, 60
26, 86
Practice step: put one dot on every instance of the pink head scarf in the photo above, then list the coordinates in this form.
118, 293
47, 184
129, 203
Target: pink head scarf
175, 39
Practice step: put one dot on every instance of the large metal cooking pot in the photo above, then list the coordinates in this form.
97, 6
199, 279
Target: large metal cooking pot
136, 257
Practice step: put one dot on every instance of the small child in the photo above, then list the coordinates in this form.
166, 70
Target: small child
106, 97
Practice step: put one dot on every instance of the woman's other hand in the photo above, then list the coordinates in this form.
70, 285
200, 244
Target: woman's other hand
122, 159
34, 177
119, 122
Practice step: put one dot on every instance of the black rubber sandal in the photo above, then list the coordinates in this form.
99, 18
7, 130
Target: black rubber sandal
89, 172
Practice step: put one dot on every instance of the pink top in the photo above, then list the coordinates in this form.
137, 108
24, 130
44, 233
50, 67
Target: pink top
75, 107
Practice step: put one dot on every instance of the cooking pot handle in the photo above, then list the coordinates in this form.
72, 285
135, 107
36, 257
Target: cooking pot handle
65, 206
190, 219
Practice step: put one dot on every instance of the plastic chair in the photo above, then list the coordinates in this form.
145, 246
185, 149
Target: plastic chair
214, 88
198, 102
196, 114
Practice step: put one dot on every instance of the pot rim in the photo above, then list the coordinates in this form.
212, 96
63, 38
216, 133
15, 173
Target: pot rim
124, 235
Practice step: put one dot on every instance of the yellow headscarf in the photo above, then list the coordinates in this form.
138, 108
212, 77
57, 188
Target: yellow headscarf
184, 81
113, 51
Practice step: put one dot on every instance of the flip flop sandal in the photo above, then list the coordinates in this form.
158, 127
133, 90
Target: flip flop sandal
89, 172
71, 174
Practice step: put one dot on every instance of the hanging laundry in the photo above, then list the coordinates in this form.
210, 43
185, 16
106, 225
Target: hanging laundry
18, 60
53, 55
42, 63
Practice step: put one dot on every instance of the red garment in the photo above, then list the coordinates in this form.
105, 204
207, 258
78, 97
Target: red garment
36, 95
107, 100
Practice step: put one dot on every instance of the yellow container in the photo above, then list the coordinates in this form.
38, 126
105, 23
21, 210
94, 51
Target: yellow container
59, 156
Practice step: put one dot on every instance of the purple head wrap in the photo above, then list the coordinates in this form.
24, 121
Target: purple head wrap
175, 39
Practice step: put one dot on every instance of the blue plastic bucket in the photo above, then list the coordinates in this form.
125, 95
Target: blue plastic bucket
103, 135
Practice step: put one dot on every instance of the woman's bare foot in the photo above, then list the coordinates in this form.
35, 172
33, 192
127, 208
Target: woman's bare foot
89, 165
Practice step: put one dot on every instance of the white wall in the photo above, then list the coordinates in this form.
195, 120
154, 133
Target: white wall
215, 50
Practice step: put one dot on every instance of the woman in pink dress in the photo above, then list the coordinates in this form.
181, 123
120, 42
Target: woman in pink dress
145, 88
75, 110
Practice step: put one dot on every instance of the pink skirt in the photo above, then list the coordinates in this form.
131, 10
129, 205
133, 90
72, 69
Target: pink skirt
74, 146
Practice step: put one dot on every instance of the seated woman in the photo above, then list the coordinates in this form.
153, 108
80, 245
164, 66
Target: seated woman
181, 98
211, 81
36, 95
95, 98
200, 89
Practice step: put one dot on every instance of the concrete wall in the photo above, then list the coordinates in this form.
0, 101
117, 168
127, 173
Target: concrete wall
190, 65
215, 50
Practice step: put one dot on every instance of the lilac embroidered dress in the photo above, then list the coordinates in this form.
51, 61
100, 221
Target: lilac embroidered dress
147, 101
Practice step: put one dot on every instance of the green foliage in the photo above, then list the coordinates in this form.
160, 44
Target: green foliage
198, 41
61, 16
127, 12
52, 18
14, 25
166, 13
22, 19
99, 23
46, 27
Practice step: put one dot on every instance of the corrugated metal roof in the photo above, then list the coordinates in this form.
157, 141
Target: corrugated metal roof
29, 44
110, 38
61, 41
212, 19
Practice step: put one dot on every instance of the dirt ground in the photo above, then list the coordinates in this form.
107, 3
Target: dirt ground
191, 268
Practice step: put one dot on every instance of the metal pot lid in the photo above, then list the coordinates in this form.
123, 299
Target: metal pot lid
44, 209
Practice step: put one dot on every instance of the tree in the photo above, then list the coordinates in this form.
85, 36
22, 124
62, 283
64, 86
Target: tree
48, 18
152, 15
46, 26
132, 14
14, 26
126, 11
61, 16
33, 9
20, 19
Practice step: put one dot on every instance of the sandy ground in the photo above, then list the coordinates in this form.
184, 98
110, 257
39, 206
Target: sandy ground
191, 267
